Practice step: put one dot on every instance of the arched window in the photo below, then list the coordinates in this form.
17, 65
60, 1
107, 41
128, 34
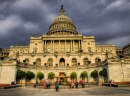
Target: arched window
38, 62
85, 61
50, 62
74, 61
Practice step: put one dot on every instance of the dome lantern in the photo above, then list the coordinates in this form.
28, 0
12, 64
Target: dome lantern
62, 11
62, 25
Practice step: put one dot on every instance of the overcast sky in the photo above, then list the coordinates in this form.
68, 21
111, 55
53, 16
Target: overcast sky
107, 20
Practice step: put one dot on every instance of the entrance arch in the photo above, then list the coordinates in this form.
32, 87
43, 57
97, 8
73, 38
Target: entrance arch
62, 62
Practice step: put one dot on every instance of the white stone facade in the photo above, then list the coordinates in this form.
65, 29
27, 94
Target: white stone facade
63, 45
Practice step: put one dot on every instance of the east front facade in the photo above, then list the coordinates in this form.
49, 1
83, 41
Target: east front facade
63, 50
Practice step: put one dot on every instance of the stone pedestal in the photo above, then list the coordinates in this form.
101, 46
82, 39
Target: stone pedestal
7, 72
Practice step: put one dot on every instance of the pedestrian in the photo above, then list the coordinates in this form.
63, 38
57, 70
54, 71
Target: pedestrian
13, 84
48, 84
76, 84
110, 83
71, 84
35, 85
44, 84
83, 83
57, 86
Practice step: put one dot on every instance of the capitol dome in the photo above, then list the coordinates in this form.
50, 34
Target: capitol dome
62, 25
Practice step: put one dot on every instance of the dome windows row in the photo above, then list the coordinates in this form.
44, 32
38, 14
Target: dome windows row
62, 26
64, 19
62, 33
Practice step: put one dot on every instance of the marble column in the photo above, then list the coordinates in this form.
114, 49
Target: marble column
65, 46
59, 46
45, 46
79, 45
53, 46
71, 45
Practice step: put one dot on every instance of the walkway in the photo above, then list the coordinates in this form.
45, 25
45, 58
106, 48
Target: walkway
91, 91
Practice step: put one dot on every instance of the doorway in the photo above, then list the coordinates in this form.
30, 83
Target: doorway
62, 62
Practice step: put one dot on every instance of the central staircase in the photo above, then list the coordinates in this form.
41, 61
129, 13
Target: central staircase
60, 86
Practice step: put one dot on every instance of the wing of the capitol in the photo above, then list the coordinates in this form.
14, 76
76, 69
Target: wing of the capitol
63, 51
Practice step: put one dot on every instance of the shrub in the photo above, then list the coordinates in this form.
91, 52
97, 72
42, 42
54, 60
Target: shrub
30, 75
20, 74
40, 75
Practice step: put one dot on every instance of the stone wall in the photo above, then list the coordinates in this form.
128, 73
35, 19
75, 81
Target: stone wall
7, 72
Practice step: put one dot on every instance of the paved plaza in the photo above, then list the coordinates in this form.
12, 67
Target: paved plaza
91, 91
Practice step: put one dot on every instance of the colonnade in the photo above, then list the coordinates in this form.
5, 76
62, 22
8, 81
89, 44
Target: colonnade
52, 46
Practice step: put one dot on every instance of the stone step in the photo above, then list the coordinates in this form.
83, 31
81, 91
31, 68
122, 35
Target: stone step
61, 87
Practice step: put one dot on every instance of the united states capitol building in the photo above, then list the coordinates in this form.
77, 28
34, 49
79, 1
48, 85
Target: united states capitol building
63, 50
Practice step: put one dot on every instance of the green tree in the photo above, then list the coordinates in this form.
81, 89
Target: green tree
103, 73
94, 74
40, 75
84, 75
20, 74
73, 75
51, 75
30, 75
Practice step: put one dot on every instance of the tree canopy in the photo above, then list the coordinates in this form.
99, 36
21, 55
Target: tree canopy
51, 75
103, 73
40, 75
94, 74
83, 75
20, 74
30, 75
73, 75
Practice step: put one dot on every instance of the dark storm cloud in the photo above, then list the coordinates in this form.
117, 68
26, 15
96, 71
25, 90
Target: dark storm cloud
107, 20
